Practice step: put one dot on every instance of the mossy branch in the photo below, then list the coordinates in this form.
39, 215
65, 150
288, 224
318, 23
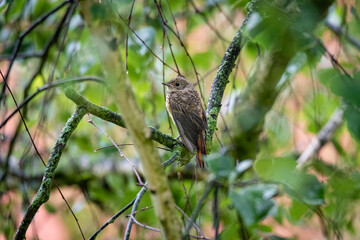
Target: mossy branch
43, 193
220, 82
116, 118
141, 135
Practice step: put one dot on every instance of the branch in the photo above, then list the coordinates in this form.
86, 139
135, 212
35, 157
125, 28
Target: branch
322, 137
116, 118
338, 30
18, 43
197, 209
141, 135
112, 219
133, 210
49, 86
262, 86
138, 198
43, 193
220, 82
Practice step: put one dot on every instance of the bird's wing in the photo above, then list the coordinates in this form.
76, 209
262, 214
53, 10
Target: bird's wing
190, 123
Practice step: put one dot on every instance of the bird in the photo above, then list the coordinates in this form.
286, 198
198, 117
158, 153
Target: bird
184, 106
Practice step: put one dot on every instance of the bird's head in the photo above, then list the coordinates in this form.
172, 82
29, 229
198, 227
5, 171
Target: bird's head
178, 84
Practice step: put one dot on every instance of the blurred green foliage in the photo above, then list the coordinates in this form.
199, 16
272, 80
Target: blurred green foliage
258, 194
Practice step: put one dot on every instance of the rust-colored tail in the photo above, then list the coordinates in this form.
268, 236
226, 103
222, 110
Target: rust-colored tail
201, 150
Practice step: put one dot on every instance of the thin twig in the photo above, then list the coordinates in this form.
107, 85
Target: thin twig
216, 212
189, 219
112, 219
127, 38
21, 37
137, 200
128, 144
49, 86
22, 55
213, 28
164, 22
338, 30
167, 36
163, 80
136, 204
120, 152
142, 41
198, 208
322, 137
143, 225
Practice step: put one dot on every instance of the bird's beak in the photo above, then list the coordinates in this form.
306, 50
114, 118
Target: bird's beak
166, 84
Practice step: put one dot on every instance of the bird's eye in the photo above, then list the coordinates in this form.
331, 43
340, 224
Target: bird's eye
177, 84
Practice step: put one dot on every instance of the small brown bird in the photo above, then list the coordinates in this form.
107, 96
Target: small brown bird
184, 106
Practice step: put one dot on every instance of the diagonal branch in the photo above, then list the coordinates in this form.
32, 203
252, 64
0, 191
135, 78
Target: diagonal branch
322, 137
49, 86
43, 193
116, 118
221, 80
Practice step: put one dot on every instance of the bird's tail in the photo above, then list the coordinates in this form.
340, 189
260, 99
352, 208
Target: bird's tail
201, 150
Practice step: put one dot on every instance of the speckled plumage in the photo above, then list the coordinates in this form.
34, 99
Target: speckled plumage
184, 106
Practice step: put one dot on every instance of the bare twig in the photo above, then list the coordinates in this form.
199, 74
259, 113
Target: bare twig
136, 204
21, 37
216, 211
137, 199
143, 225
127, 144
127, 37
49, 86
322, 137
177, 35
112, 219
120, 152
204, 17
194, 224
198, 208
142, 41
338, 30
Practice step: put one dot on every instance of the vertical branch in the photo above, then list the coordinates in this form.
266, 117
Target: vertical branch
154, 172
43, 193
133, 210
216, 211
220, 82
197, 209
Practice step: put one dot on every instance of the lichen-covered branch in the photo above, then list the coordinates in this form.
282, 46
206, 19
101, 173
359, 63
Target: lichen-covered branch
43, 193
116, 118
154, 172
220, 82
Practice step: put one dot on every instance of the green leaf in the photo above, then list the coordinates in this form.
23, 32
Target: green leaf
352, 118
50, 208
254, 203
297, 210
220, 165
298, 185
229, 231
342, 85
